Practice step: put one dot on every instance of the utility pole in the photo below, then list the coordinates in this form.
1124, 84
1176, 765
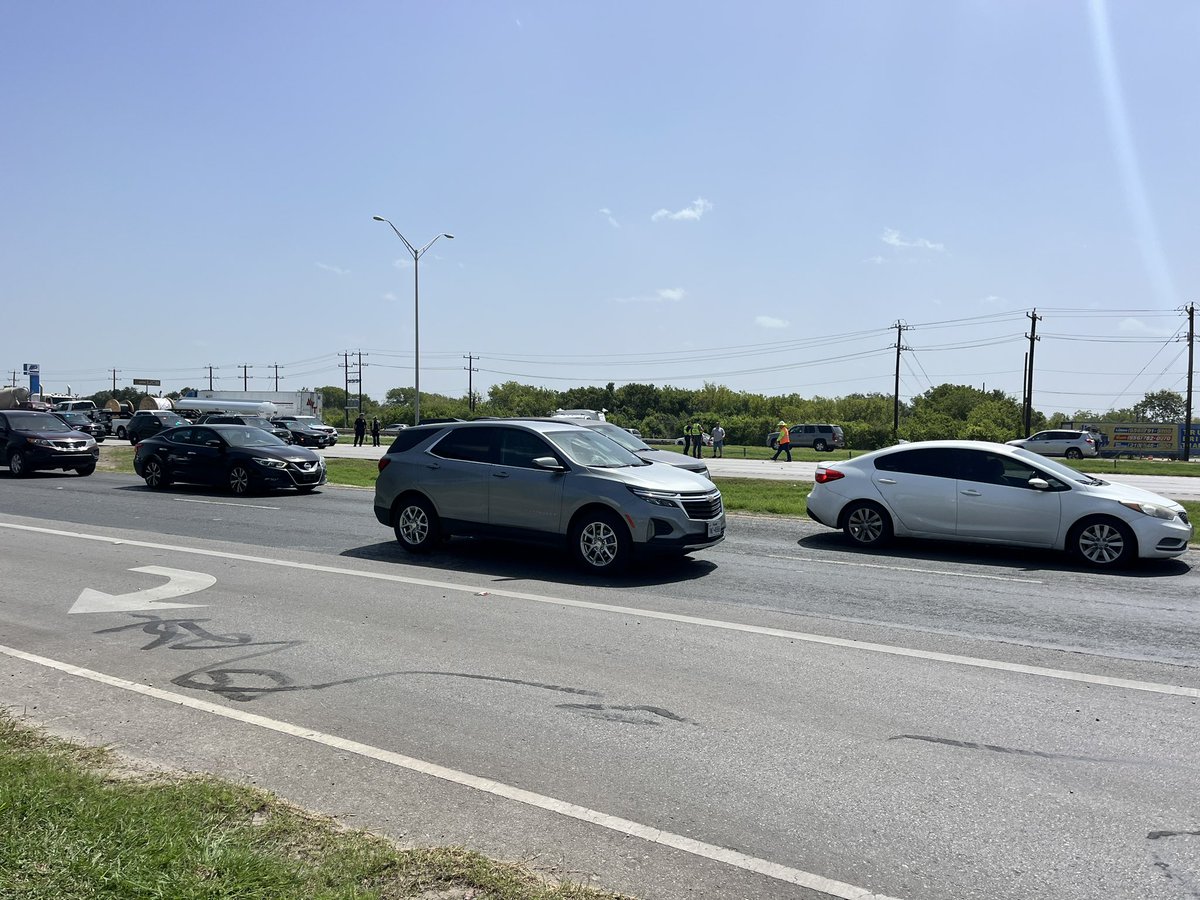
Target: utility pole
1187, 422
114, 375
1024, 394
1034, 318
210, 377
359, 379
276, 367
245, 377
471, 370
346, 390
900, 329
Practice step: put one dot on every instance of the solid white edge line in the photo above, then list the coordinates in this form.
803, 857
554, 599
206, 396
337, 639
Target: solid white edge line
223, 503
694, 847
863, 565
889, 649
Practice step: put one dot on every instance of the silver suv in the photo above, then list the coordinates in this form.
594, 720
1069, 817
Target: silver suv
1071, 444
819, 437
552, 482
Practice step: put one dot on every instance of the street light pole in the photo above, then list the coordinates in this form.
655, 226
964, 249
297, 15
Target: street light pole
416, 256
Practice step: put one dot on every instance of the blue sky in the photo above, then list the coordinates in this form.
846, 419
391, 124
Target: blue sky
665, 192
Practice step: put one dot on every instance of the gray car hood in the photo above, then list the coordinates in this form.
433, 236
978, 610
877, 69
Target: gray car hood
655, 477
671, 459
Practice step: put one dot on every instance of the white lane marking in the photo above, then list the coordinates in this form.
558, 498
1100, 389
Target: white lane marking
862, 565
223, 503
888, 649
540, 801
179, 583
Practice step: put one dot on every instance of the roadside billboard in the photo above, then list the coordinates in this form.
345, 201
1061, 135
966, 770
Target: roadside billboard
1152, 439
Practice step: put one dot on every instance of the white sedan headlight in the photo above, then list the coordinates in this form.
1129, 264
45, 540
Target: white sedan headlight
1150, 509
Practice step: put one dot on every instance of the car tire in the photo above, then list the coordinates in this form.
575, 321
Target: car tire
155, 474
1103, 543
601, 543
239, 480
85, 470
867, 524
1074, 453
416, 525
121, 432
820, 446
774, 445
17, 464
306, 488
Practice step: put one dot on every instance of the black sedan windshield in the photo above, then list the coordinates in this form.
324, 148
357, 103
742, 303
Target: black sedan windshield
247, 436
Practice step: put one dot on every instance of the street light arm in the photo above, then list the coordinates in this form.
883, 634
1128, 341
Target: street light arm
399, 235
421, 252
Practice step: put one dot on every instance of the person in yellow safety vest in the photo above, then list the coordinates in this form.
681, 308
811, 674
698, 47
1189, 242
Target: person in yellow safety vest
785, 442
697, 440
687, 440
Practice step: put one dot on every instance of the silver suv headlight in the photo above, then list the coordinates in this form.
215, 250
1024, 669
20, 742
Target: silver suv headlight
658, 498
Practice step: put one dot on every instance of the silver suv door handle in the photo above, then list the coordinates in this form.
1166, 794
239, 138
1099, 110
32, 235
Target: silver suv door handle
971, 492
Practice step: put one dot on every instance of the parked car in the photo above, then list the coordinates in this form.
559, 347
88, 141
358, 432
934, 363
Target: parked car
393, 429
705, 438
32, 440
818, 437
149, 422
304, 434
81, 421
331, 433
1071, 444
994, 494
275, 428
546, 481
242, 458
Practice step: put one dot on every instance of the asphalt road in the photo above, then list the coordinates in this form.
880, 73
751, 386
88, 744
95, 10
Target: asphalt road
781, 716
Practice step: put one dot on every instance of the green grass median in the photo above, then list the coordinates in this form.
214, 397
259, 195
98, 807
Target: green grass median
78, 823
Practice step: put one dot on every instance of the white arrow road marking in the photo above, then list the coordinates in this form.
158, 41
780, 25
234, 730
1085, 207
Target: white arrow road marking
179, 582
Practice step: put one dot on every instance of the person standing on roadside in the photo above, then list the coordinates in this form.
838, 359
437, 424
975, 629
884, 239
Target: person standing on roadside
785, 442
718, 438
375, 426
360, 430
687, 439
697, 440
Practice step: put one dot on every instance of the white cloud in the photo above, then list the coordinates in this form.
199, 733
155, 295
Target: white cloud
893, 238
991, 300
334, 269
689, 213
662, 295
404, 262
875, 260
770, 322
389, 297
1139, 328
607, 213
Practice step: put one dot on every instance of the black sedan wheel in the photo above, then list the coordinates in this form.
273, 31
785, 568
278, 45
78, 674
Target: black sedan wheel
155, 474
868, 524
239, 480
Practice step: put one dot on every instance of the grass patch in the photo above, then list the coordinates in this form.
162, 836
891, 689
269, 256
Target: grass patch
757, 495
73, 829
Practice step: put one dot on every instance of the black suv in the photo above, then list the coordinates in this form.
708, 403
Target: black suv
262, 422
38, 440
81, 421
149, 422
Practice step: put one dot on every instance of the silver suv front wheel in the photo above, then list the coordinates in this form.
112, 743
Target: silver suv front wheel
600, 542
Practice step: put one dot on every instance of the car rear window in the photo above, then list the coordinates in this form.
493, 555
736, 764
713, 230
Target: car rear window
408, 438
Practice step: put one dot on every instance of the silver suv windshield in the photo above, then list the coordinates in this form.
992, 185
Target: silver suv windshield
620, 435
584, 447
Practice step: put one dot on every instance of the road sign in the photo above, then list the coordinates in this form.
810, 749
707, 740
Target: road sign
31, 369
151, 382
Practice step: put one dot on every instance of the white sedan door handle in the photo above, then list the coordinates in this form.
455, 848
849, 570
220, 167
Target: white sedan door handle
887, 480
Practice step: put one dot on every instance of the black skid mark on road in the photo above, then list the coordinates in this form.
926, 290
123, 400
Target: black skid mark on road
1184, 880
996, 748
622, 713
168, 631
536, 684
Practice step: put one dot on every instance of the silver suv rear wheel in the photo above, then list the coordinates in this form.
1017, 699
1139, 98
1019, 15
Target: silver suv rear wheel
416, 525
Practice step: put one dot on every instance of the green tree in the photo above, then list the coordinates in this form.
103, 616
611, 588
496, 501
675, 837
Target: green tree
1160, 406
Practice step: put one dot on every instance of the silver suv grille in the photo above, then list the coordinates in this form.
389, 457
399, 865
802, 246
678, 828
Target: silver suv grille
702, 506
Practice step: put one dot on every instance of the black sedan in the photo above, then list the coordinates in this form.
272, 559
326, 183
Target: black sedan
304, 435
81, 421
240, 457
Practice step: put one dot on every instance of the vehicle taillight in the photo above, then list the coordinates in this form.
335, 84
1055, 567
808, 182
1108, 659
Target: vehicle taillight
825, 475
383, 462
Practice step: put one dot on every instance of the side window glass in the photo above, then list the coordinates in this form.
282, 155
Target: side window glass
521, 448
934, 461
824, 429
468, 444
980, 467
183, 436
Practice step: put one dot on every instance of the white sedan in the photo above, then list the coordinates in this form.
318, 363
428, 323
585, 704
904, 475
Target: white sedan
994, 494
